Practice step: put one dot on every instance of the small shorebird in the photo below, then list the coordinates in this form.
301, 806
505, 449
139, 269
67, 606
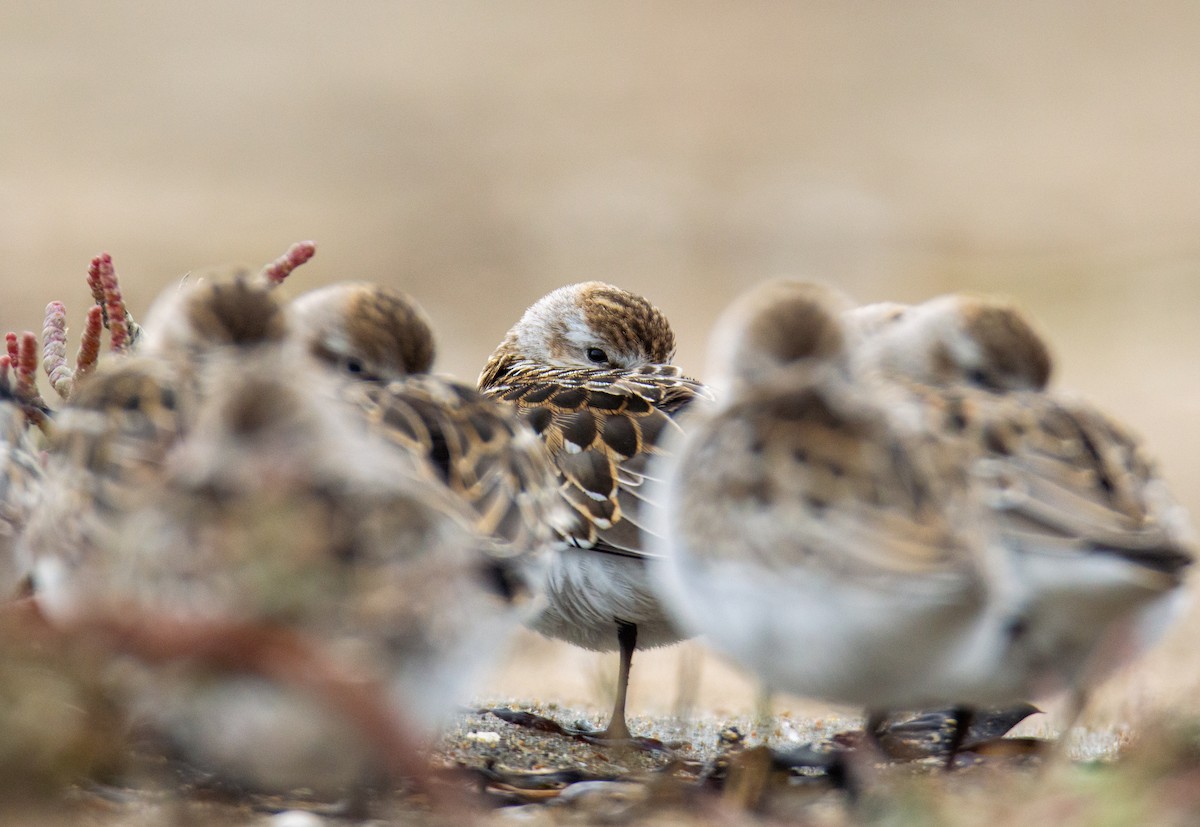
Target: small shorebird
869, 539
367, 331
379, 345
811, 530
112, 439
335, 594
588, 368
954, 339
1094, 536
278, 519
107, 451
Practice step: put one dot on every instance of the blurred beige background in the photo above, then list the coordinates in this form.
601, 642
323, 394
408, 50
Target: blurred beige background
479, 154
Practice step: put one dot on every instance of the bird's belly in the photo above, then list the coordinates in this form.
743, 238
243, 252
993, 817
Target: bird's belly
588, 593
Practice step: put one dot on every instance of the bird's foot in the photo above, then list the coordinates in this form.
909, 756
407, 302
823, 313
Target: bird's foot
611, 736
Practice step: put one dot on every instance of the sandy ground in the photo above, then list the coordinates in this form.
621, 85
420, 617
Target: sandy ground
480, 154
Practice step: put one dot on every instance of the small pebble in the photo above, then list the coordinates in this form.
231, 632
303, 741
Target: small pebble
296, 818
481, 737
529, 815
731, 736
603, 801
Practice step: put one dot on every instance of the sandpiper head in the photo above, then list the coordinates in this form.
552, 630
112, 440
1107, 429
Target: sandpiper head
366, 331
201, 317
962, 339
259, 427
775, 325
126, 411
133, 384
592, 325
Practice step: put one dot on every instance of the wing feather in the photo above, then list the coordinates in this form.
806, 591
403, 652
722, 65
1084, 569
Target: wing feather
479, 449
821, 482
600, 427
1062, 475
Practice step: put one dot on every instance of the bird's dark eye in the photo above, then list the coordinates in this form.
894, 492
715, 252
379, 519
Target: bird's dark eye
978, 377
595, 354
355, 366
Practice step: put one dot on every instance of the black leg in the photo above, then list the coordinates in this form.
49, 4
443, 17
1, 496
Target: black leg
843, 777
627, 639
873, 728
963, 715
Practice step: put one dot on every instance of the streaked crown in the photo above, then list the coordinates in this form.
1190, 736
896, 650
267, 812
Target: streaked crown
591, 325
955, 339
777, 324
368, 331
199, 318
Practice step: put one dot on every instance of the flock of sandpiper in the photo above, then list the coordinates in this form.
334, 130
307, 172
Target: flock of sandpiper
276, 518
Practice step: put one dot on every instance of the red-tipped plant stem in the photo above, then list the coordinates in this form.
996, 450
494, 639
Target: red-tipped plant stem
27, 366
114, 305
279, 269
106, 290
96, 285
54, 350
54, 347
89, 343
25, 388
